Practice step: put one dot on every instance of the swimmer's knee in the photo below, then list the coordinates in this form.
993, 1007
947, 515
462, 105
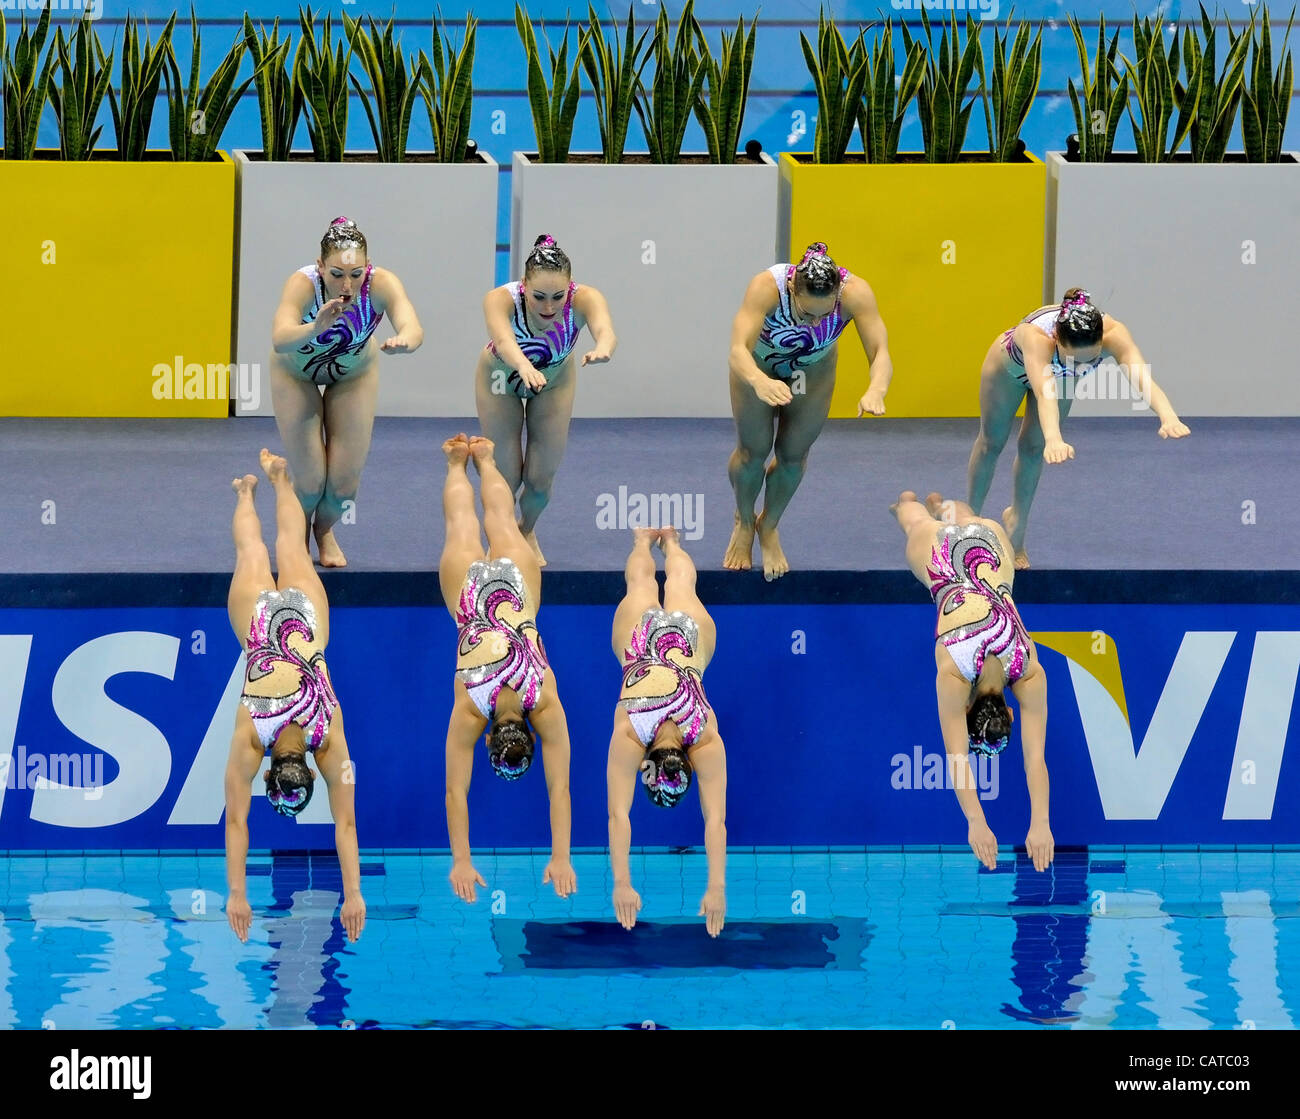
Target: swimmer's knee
990, 443
310, 498
789, 462
1031, 444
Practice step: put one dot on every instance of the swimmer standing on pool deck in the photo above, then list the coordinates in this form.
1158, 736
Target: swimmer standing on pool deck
965, 563
784, 349
503, 683
664, 729
325, 372
288, 708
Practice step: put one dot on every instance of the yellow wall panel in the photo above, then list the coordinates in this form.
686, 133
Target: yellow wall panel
124, 267
953, 252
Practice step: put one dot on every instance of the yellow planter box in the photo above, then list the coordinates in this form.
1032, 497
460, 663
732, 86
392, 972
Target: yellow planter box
126, 275
953, 252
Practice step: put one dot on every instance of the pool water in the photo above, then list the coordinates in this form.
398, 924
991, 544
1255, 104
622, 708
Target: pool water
914, 939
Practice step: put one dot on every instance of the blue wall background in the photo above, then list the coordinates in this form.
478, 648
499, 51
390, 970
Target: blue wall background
781, 94
813, 737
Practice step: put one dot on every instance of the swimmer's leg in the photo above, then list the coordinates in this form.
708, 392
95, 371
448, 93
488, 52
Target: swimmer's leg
504, 538
292, 560
1000, 397
252, 561
463, 543
349, 424
299, 416
679, 591
642, 589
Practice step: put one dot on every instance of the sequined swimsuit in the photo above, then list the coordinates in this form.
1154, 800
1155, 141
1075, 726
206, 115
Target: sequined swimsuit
347, 337
785, 345
970, 582
656, 635
518, 659
547, 351
1045, 319
286, 679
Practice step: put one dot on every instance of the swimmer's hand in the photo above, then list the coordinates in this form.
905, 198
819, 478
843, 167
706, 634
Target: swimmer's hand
531, 377
397, 345
560, 873
1173, 428
984, 843
596, 357
1040, 846
1057, 450
772, 391
873, 401
713, 908
240, 915
627, 902
330, 312
353, 916
463, 879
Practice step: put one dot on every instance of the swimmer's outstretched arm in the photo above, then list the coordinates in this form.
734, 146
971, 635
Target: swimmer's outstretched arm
241, 768
621, 778
1119, 342
335, 766
1031, 693
463, 731
711, 772
549, 721
953, 691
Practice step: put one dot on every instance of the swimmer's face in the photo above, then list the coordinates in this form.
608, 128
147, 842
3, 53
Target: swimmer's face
343, 272
1085, 357
546, 292
810, 309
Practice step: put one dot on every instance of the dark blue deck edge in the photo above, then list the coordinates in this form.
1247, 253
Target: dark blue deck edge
716, 588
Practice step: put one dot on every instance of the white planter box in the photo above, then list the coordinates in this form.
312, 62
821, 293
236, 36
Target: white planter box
671, 247
433, 224
1167, 249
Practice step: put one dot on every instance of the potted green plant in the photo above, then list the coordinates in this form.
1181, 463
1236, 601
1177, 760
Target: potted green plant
974, 220
673, 229
428, 215
1183, 229
127, 209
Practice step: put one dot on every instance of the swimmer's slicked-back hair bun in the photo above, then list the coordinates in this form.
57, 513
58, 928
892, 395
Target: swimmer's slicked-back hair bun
343, 234
547, 256
666, 773
1078, 322
988, 724
817, 274
290, 784
510, 749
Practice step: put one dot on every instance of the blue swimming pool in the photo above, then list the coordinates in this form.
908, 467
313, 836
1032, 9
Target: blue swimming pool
915, 939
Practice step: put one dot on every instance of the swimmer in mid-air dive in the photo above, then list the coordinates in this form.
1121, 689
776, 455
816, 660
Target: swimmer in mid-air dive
665, 733
1065, 340
965, 563
503, 683
288, 708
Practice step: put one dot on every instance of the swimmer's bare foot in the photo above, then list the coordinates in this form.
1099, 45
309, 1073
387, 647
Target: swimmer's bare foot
481, 450
456, 450
740, 549
769, 542
1011, 522
331, 555
934, 502
274, 466
668, 539
531, 538
245, 485
645, 536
